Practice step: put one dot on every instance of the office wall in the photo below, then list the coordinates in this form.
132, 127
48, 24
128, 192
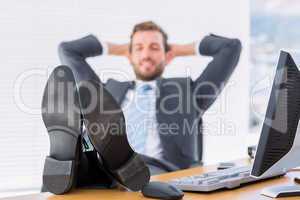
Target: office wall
31, 30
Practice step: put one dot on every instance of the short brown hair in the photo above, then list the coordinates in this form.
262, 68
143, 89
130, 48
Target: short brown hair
149, 26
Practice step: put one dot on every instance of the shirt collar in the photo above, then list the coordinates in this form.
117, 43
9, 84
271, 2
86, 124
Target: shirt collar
139, 83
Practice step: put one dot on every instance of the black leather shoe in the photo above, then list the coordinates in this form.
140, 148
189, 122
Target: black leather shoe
61, 116
105, 124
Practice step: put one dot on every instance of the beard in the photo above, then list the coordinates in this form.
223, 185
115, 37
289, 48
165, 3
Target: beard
158, 70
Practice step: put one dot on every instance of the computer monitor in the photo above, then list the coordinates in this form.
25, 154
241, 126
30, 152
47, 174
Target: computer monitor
279, 145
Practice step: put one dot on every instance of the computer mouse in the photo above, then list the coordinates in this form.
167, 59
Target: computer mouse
162, 190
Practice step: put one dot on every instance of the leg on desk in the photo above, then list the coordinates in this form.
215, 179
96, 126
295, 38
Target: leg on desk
155, 170
90, 173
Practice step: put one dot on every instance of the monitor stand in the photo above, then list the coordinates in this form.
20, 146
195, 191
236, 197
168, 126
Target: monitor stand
281, 191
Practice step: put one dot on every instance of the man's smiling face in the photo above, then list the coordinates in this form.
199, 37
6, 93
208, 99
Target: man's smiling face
148, 54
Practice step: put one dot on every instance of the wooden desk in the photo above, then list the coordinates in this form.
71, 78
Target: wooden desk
249, 192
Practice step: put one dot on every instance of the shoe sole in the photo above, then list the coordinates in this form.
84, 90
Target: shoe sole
63, 125
105, 124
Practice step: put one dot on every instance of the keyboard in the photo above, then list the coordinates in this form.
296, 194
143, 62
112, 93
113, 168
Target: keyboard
221, 179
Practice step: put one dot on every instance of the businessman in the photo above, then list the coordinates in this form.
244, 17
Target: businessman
163, 115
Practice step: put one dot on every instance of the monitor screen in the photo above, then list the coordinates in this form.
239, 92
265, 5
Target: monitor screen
278, 147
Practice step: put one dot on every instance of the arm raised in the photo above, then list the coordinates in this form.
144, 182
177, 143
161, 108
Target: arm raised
209, 84
74, 53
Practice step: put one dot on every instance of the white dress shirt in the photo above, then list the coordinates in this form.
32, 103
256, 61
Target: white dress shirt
153, 146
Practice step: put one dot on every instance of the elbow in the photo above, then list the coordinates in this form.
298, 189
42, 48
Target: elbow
235, 46
64, 50
62, 47
235, 49
65, 53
